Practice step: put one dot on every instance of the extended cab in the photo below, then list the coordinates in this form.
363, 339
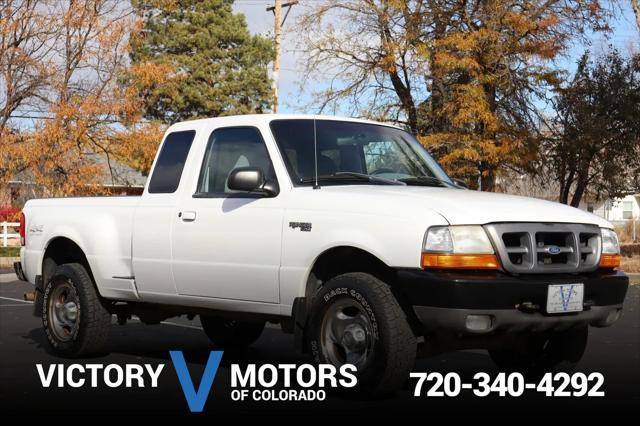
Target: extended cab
345, 232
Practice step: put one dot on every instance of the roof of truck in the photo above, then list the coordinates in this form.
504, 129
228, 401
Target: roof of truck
236, 120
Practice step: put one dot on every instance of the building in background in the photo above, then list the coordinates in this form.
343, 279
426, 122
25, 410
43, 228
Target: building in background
117, 178
619, 210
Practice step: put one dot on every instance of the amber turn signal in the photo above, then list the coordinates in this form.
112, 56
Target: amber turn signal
460, 261
609, 261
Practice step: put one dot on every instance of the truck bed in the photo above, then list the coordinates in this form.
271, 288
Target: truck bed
100, 226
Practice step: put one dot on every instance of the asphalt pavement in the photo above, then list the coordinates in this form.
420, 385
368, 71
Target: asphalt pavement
614, 352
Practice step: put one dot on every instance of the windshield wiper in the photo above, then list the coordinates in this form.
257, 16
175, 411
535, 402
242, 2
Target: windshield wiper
351, 176
370, 178
422, 180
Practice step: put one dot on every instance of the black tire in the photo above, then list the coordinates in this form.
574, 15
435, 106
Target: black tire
536, 354
231, 334
388, 353
88, 332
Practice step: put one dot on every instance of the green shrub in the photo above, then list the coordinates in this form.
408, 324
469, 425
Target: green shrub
9, 251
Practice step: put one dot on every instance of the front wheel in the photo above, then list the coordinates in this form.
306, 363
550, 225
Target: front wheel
355, 319
536, 354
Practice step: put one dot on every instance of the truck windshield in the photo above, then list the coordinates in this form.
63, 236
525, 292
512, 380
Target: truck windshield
354, 153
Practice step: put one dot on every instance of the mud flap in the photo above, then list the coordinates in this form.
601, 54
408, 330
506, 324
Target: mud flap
300, 324
39, 297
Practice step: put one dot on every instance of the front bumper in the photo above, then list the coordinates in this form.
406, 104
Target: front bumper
488, 302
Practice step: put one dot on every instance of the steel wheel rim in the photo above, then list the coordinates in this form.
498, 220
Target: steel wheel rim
64, 312
347, 334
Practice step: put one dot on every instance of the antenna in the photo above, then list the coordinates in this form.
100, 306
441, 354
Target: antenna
315, 154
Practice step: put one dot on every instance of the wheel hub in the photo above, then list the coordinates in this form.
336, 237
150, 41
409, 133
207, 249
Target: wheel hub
68, 312
354, 338
63, 311
347, 334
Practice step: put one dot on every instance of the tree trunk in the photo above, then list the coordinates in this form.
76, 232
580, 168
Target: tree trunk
437, 83
406, 100
583, 178
579, 192
402, 88
488, 181
566, 187
492, 169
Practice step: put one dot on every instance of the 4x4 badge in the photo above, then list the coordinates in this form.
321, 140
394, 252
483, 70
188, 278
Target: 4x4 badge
304, 226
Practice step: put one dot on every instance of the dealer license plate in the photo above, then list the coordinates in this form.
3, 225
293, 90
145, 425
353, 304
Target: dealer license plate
565, 298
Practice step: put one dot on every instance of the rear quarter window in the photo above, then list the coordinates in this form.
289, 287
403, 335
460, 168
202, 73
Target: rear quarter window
168, 169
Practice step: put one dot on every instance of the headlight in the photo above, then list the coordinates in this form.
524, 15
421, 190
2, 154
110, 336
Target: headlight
610, 243
457, 239
610, 257
461, 247
438, 240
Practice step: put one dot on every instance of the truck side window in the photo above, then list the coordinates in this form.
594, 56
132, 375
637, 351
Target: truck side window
227, 149
168, 169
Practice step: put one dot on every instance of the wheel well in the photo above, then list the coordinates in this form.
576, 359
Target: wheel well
340, 260
59, 251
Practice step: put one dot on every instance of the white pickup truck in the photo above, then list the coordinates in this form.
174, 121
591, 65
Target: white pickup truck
345, 232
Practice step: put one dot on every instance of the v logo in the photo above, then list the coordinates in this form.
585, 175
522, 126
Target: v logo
196, 399
567, 299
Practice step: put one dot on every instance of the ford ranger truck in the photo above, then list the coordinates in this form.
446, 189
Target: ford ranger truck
345, 232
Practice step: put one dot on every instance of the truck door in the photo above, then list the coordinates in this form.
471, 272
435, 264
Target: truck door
151, 244
226, 244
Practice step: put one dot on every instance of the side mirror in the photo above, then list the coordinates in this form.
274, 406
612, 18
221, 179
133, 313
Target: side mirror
460, 183
250, 179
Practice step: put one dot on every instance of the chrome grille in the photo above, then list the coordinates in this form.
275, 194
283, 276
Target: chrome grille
539, 248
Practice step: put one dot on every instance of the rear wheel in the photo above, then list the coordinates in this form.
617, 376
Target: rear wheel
355, 319
536, 354
75, 320
231, 333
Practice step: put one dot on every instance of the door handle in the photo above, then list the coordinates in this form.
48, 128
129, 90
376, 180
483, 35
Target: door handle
188, 216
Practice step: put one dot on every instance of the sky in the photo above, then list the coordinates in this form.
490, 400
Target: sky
293, 99
262, 22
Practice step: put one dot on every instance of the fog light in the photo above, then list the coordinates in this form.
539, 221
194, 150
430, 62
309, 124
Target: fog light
613, 316
478, 322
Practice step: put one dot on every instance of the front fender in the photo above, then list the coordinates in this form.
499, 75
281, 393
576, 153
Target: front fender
396, 241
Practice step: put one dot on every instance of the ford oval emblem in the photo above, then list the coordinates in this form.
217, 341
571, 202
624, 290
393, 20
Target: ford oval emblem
553, 250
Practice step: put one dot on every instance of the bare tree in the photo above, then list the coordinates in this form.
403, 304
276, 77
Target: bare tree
467, 76
372, 56
68, 61
85, 97
27, 38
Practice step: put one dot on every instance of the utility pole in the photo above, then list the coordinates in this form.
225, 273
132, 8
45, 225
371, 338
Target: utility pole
278, 23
